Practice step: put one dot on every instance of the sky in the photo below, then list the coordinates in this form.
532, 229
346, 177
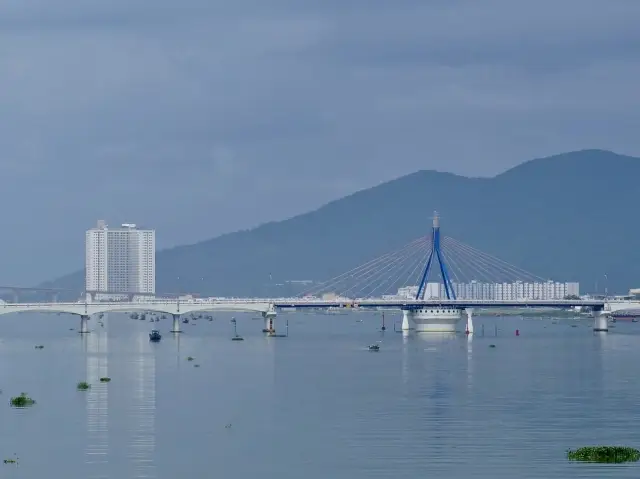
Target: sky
200, 117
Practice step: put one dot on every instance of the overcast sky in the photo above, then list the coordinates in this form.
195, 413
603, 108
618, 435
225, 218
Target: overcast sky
199, 117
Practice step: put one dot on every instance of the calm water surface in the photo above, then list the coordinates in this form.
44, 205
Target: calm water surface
317, 404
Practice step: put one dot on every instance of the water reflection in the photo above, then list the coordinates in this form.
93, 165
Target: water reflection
405, 358
143, 408
436, 338
96, 345
469, 361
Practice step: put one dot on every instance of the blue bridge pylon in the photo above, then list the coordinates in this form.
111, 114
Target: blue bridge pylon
461, 272
436, 252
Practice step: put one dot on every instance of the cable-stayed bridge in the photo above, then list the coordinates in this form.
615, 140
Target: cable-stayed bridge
433, 280
461, 272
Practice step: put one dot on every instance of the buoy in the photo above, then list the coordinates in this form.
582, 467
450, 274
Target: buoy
517, 332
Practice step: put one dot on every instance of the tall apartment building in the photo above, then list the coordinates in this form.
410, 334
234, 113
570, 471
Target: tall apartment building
120, 260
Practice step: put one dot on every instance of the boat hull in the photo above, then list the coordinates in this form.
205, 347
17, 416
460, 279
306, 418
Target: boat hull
436, 320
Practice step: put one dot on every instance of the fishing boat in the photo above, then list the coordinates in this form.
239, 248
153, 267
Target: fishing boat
155, 336
374, 347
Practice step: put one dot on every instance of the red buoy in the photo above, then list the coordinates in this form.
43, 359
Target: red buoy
517, 332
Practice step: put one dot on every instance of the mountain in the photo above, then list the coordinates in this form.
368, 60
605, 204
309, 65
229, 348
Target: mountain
571, 216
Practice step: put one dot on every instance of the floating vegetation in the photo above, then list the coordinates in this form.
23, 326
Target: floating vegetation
190, 358
12, 460
83, 386
22, 401
610, 454
196, 365
492, 345
39, 346
105, 380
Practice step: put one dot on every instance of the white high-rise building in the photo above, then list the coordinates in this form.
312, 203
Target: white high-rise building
120, 260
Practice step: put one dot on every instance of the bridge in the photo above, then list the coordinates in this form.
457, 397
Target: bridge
175, 308
396, 280
269, 308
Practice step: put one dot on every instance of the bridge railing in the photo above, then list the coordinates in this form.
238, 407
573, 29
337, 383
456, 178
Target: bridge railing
336, 302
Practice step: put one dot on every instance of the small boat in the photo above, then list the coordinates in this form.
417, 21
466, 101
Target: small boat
374, 347
185, 321
155, 336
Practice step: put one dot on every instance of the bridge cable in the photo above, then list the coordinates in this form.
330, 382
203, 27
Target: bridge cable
384, 270
363, 268
497, 263
392, 281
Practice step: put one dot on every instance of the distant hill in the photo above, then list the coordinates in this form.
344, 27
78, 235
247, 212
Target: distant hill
569, 217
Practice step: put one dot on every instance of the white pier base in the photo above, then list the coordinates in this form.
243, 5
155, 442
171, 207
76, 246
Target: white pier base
436, 319
469, 328
84, 324
269, 322
176, 324
600, 321
406, 325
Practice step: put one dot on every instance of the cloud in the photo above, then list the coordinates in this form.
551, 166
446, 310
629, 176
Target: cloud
200, 117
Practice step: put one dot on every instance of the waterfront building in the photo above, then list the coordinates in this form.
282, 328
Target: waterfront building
476, 290
120, 260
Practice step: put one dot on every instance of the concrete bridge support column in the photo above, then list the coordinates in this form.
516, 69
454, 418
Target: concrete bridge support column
600, 323
84, 324
176, 324
469, 328
269, 322
406, 324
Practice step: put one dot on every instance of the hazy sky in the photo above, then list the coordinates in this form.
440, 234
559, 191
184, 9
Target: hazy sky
199, 117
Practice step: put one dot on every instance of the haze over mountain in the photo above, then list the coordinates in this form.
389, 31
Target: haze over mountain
570, 217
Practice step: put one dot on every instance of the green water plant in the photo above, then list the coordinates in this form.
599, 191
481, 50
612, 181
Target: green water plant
12, 460
611, 454
83, 386
22, 401
105, 380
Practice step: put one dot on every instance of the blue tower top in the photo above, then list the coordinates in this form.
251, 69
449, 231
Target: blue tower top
437, 253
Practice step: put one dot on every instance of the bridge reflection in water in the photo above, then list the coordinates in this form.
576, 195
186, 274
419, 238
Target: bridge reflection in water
96, 348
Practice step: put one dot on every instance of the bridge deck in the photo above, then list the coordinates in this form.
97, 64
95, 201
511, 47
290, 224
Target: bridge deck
266, 304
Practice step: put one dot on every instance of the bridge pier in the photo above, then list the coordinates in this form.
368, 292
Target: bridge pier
176, 324
269, 322
84, 324
469, 329
600, 323
406, 325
